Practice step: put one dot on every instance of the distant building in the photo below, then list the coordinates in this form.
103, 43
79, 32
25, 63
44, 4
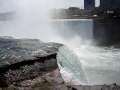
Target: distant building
89, 4
109, 3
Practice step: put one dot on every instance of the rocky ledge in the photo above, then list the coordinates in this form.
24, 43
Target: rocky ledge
29, 64
25, 59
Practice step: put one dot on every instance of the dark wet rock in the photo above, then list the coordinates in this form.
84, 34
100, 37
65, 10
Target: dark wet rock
23, 59
17, 50
49, 81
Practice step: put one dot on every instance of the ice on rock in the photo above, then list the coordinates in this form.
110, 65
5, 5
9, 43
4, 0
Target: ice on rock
89, 65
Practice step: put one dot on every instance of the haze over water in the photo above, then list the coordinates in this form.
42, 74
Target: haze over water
32, 20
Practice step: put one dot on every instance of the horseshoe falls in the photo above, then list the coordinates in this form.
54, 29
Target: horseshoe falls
82, 63
89, 65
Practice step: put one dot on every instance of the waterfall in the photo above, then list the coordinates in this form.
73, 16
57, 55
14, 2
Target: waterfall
88, 65
80, 62
70, 66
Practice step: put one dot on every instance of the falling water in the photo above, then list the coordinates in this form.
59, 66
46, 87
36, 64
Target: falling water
79, 62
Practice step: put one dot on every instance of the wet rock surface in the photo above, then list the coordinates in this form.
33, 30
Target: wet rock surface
23, 59
17, 50
49, 81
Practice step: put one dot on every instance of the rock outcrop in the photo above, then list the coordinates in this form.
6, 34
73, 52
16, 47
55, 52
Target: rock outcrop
23, 59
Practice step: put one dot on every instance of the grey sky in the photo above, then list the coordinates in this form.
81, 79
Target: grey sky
6, 5
10, 5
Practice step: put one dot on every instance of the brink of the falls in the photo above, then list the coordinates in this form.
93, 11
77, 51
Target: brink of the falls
89, 65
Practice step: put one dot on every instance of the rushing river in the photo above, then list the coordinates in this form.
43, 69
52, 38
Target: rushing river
79, 61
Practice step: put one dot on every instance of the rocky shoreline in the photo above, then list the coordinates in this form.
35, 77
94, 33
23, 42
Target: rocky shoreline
36, 69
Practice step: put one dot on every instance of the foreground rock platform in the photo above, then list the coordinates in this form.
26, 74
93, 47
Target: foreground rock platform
17, 50
23, 59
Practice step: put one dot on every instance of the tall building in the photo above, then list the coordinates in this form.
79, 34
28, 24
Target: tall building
109, 3
89, 4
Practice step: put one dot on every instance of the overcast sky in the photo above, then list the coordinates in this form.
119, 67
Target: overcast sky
10, 5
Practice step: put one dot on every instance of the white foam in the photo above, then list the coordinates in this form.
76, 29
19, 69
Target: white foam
89, 65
